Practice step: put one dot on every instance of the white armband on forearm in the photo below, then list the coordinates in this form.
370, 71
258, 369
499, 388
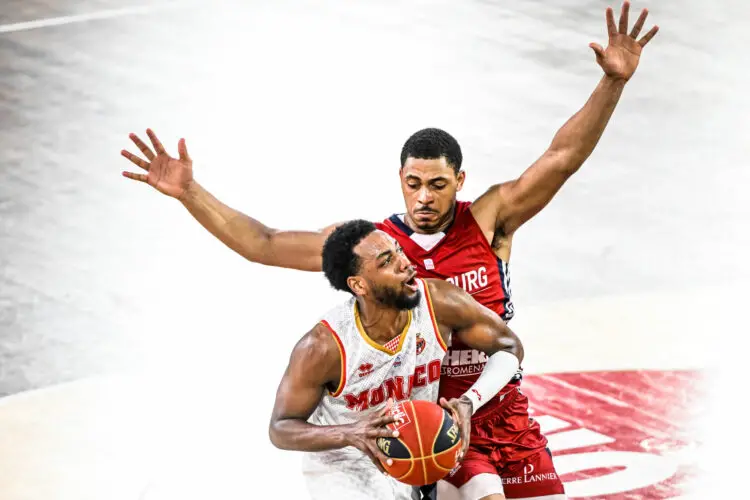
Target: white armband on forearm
498, 371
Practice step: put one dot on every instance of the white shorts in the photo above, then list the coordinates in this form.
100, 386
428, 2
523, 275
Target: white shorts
350, 478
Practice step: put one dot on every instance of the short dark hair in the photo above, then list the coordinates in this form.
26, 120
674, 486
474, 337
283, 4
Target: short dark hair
431, 143
339, 260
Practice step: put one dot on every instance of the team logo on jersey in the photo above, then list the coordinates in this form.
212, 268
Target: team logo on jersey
421, 344
397, 362
365, 369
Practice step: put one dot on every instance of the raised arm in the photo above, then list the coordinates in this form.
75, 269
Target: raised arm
505, 207
315, 367
251, 238
243, 234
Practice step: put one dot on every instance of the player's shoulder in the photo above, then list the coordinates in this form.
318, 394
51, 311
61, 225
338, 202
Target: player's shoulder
440, 290
316, 357
394, 226
462, 206
450, 304
478, 219
339, 313
340, 321
320, 343
467, 217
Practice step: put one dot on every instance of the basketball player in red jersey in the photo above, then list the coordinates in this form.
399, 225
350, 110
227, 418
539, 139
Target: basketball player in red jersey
466, 243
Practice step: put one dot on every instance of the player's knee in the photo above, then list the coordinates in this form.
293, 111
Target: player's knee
483, 486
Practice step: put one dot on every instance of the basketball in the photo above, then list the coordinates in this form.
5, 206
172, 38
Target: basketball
427, 446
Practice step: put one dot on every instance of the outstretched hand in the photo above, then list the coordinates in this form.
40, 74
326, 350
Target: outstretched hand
171, 176
620, 59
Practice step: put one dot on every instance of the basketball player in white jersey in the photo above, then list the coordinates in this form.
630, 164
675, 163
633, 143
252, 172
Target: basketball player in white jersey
385, 343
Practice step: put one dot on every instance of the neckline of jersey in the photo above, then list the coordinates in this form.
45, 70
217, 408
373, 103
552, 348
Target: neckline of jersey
372, 343
395, 219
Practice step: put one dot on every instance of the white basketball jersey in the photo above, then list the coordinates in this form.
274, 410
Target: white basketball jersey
406, 368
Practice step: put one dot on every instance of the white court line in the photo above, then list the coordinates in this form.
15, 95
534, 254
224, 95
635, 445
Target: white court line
79, 18
593, 394
622, 388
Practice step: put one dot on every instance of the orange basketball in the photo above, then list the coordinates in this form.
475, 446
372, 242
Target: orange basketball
425, 450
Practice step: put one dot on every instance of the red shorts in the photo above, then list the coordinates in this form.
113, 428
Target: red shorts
508, 443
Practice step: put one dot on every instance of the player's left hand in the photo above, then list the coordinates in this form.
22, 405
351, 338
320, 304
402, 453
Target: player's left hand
621, 57
461, 409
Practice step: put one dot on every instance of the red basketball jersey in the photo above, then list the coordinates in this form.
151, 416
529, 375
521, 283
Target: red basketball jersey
462, 256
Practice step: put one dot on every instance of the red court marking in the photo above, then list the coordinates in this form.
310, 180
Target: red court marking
648, 412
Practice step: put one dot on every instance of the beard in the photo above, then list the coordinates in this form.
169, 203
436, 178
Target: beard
398, 299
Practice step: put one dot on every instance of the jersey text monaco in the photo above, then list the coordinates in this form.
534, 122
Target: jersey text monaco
408, 367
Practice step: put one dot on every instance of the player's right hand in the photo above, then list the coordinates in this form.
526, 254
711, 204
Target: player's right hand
364, 433
171, 176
